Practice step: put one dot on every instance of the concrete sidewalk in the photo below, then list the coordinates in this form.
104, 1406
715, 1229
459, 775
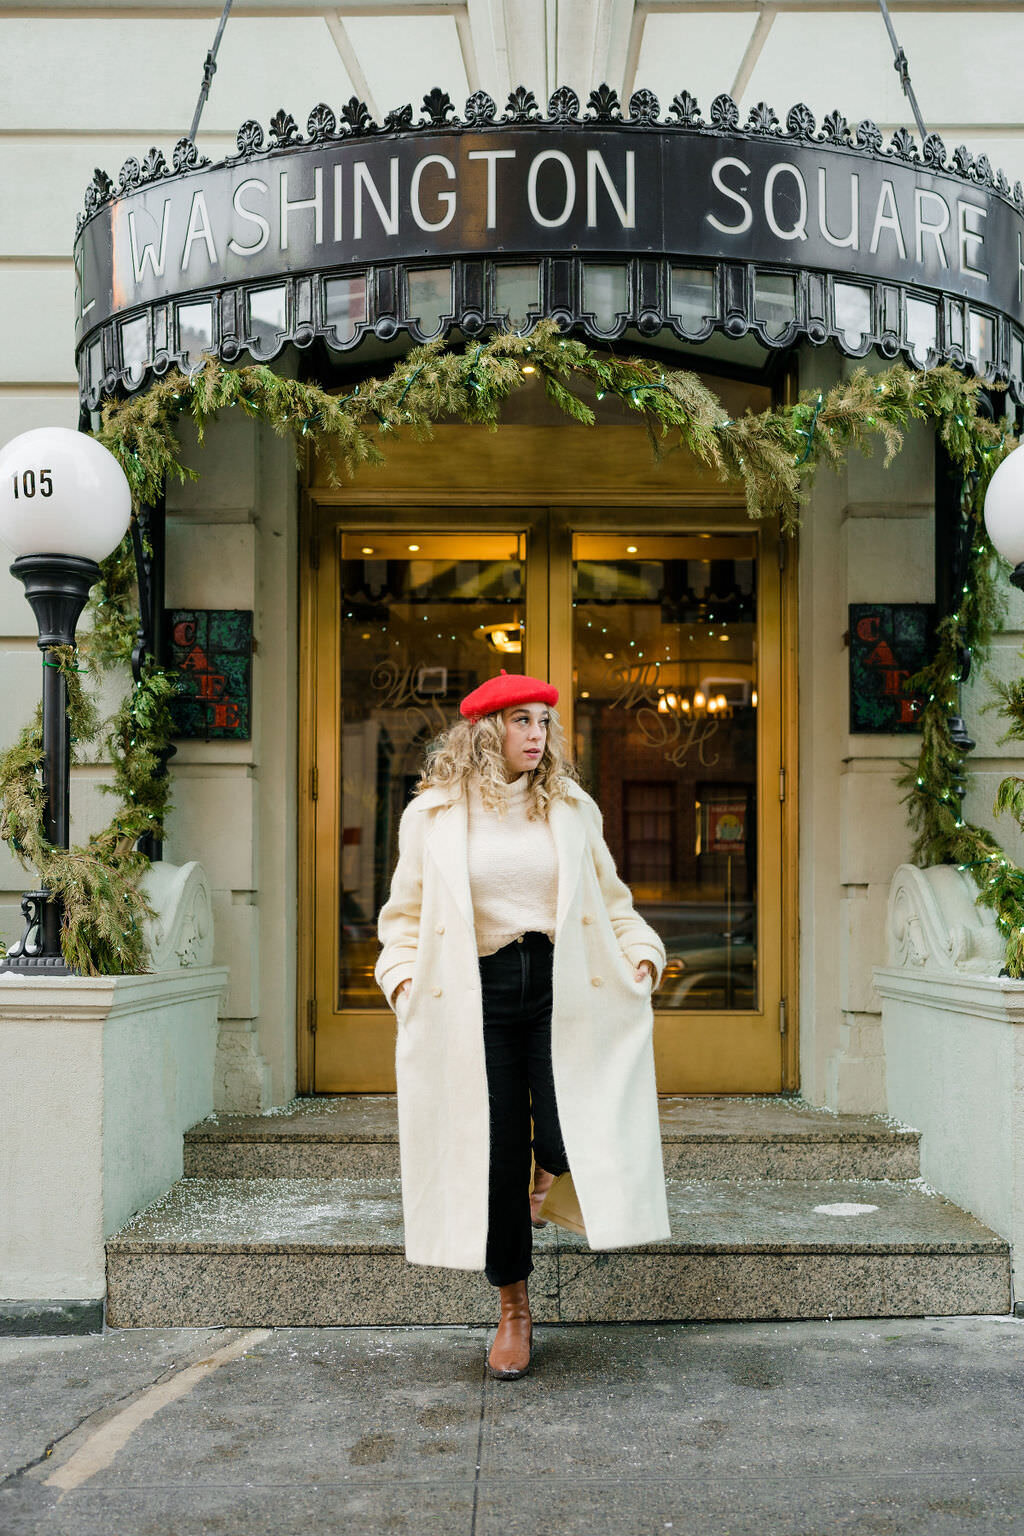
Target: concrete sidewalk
771, 1429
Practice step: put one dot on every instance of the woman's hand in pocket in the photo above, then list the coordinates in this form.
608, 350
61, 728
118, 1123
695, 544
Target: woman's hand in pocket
645, 968
401, 993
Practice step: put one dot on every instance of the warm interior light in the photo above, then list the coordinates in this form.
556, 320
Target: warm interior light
630, 549
663, 706
413, 548
699, 700
585, 694
753, 697
712, 706
722, 701
684, 705
367, 549
529, 368
609, 655
506, 638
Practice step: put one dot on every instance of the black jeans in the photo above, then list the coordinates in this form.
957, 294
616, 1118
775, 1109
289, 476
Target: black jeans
516, 983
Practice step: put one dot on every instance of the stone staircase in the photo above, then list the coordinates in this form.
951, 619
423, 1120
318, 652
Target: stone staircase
778, 1210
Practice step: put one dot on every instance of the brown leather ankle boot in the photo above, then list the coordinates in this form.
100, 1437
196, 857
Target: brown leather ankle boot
510, 1352
542, 1182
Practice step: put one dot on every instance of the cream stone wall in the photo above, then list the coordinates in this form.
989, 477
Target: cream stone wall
868, 535
232, 543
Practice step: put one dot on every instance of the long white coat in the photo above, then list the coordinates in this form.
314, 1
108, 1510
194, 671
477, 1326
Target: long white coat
601, 1028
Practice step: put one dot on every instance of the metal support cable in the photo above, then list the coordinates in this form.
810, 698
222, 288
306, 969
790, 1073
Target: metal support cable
209, 70
901, 65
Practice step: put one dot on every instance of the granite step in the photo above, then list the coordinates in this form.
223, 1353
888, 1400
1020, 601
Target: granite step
281, 1251
769, 1137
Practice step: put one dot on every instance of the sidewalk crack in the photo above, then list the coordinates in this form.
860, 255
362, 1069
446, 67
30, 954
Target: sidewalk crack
479, 1450
109, 1409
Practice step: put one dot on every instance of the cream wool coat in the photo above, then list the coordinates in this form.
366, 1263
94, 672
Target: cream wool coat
601, 1028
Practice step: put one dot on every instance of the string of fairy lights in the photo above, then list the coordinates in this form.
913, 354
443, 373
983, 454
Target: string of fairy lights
773, 455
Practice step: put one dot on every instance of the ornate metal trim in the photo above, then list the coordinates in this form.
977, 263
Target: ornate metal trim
779, 303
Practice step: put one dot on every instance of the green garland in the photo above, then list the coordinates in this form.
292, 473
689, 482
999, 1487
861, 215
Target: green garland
772, 454
98, 884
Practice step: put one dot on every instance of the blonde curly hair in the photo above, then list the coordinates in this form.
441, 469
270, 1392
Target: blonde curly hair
475, 747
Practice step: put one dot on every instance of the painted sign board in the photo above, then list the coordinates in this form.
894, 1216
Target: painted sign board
212, 651
889, 642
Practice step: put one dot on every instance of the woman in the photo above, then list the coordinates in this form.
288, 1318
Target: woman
521, 977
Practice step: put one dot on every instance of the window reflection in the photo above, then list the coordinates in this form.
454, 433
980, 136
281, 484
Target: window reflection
195, 331
692, 297
665, 674
344, 307
853, 312
268, 317
605, 294
775, 301
982, 346
424, 619
517, 294
135, 347
95, 364
922, 328
430, 298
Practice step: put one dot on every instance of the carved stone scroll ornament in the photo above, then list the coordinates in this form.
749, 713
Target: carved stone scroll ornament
181, 934
934, 923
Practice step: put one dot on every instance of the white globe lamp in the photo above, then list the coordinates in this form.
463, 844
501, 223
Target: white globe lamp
62, 493
65, 505
1004, 512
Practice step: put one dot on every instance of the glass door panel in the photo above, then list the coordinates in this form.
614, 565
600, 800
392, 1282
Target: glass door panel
665, 654
419, 619
424, 619
676, 676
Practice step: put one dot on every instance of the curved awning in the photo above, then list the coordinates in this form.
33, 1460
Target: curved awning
673, 225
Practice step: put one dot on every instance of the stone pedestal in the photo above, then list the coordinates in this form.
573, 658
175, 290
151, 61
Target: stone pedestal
99, 1079
954, 1046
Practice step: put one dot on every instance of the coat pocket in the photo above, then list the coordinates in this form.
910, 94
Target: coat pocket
403, 1003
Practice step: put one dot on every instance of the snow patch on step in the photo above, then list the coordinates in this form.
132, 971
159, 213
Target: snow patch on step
844, 1208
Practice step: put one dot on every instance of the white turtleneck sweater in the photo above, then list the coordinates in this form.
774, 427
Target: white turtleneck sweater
513, 869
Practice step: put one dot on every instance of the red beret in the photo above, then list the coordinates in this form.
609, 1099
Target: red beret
505, 690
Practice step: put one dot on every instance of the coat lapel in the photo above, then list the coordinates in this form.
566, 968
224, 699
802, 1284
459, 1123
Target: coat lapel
447, 843
570, 837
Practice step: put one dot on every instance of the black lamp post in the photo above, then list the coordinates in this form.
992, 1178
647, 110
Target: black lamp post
58, 490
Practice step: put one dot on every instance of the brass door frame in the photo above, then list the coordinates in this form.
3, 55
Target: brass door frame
318, 751
433, 487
